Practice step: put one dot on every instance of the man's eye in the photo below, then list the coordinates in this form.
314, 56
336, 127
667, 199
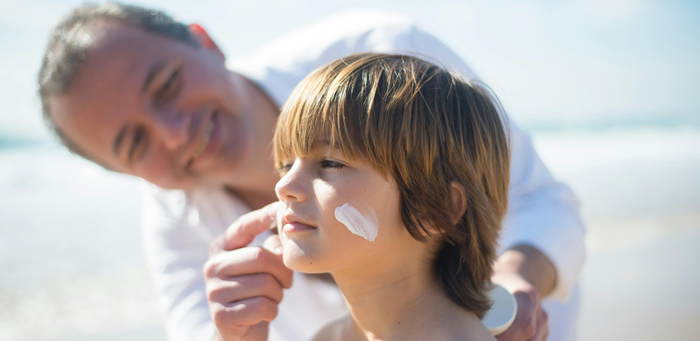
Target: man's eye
138, 143
169, 88
331, 164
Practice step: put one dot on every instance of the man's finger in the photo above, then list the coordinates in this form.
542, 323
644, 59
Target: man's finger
250, 260
525, 325
217, 245
542, 327
257, 332
243, 287
252, 310
248, 226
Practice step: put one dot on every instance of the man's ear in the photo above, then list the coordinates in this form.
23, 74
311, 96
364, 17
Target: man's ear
459, 201
203, 37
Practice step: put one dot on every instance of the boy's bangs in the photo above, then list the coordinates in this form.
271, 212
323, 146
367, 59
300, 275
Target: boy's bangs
319, 115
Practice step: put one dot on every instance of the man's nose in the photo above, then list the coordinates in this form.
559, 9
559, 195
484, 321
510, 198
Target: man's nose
291, 188
173, 128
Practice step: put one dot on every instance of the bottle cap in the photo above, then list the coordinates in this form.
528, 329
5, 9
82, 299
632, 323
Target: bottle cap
502, 312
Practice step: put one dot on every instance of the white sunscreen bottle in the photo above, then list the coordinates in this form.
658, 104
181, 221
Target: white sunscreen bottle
502, 312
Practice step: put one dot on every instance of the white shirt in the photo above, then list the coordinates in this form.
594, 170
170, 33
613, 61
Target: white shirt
178, 227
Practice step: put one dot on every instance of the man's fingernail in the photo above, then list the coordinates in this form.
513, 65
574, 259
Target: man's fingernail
279, 250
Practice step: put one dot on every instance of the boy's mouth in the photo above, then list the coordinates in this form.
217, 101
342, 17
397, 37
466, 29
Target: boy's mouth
292, 224
296, 227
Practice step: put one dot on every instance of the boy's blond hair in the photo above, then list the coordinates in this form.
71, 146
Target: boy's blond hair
426, 128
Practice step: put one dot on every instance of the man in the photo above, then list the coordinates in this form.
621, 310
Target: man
139, 93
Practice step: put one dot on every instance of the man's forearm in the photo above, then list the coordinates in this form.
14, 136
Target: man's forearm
530, 264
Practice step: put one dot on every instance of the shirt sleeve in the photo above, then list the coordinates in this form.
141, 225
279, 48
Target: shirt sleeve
542, 212
175, 255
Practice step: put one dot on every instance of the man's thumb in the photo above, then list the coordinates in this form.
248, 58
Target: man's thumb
217, 245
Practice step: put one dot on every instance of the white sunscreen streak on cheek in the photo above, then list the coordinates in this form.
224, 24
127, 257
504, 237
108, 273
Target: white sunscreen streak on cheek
363, 225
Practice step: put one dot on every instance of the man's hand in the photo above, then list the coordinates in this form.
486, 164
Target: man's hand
245, 284
527, 274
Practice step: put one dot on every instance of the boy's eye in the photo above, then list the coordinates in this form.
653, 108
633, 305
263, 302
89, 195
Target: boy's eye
284, 169
331, 164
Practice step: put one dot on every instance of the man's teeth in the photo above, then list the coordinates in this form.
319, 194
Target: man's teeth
205, 140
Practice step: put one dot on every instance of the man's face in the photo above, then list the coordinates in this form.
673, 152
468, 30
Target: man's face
154, 107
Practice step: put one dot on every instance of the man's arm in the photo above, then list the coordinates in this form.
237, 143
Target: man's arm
543, 214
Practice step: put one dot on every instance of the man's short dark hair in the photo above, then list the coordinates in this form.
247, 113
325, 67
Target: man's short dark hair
67, 48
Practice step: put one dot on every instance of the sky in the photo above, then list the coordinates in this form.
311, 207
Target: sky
552, 63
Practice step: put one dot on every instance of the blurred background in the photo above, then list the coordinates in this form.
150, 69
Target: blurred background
609, 91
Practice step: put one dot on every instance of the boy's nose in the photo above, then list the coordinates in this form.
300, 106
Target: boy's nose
290, 189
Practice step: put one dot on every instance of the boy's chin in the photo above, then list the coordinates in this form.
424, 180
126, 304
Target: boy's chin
300, 261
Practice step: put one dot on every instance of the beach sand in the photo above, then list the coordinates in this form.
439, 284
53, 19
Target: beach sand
645, 288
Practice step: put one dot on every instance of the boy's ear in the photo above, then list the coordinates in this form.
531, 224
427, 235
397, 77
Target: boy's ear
203, 37
459, 201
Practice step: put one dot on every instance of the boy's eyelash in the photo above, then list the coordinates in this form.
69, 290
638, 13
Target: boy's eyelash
283, 169
331, 164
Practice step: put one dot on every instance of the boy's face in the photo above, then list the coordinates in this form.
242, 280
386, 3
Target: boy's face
313, 188
154, 107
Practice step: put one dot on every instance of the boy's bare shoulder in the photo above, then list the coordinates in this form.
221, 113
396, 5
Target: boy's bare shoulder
334, 330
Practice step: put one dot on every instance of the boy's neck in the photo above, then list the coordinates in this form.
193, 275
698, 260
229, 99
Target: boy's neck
400, 302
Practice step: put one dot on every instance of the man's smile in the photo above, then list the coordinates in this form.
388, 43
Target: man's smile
207, 144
